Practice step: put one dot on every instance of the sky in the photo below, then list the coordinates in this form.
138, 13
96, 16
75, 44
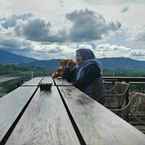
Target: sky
56, 29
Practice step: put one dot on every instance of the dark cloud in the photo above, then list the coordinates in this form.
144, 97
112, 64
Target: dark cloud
34, 29
140, 36
125, 9
27, 48
88, 25
21, 33
31, 28
38, 29
11, 21
15, 45
60, 36
138, 54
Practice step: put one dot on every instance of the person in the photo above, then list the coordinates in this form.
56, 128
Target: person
86, 74
60, 71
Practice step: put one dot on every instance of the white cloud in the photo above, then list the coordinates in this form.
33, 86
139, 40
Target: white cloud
88, 25
106, 2
34, 29
107, 50
58, 8
125, 9
19, 34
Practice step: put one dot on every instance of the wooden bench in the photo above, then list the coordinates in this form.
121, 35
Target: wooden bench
62, 116
117, 96
134, 111
124, 79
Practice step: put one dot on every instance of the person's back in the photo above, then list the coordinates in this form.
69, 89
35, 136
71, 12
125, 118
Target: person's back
90, 81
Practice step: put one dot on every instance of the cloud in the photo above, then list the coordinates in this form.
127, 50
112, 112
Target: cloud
106, 2
134, 38
15, 45
138, 54
35, 49
108, 50
123, 43
31, 28
53, 50
125, 9
34, 29
88, 25
11, 21
38, 29
36, 37
140, 36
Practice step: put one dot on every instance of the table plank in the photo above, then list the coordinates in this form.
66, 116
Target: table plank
45, 122
97, 124
47, 80
33, 82
11, 105
62, 82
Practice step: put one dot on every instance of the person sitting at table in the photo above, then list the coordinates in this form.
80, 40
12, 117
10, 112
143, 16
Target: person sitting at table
85, 74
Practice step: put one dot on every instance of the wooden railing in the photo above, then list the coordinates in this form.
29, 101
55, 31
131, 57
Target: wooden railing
125, 79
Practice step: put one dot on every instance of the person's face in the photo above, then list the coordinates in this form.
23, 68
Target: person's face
79, 59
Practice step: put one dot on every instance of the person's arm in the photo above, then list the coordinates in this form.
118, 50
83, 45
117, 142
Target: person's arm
88, 75
69, 74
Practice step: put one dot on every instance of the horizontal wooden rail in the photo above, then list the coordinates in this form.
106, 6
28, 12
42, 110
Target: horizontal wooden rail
112, 79
126, 79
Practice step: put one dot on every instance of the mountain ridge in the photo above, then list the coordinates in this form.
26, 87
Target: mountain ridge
123, 63
11, 58
116, 63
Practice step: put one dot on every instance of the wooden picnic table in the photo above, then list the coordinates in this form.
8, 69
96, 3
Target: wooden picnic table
62, 116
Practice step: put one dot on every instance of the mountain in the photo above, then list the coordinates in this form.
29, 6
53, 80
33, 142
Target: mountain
118, 63
50, 65
122, 63
11, 58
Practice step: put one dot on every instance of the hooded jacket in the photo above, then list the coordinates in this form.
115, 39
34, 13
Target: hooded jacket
87, 75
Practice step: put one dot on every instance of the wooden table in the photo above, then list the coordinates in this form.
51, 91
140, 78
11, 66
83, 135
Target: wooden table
62, 116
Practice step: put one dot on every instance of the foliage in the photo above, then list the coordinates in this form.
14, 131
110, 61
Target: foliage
127, 73
14, 70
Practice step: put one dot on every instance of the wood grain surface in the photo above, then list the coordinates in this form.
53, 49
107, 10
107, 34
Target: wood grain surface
11, 105
62, 82
45, 122
33, 82
97, 124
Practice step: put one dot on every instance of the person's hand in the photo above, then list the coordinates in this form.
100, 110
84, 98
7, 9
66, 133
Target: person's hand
58, 73
68, 63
